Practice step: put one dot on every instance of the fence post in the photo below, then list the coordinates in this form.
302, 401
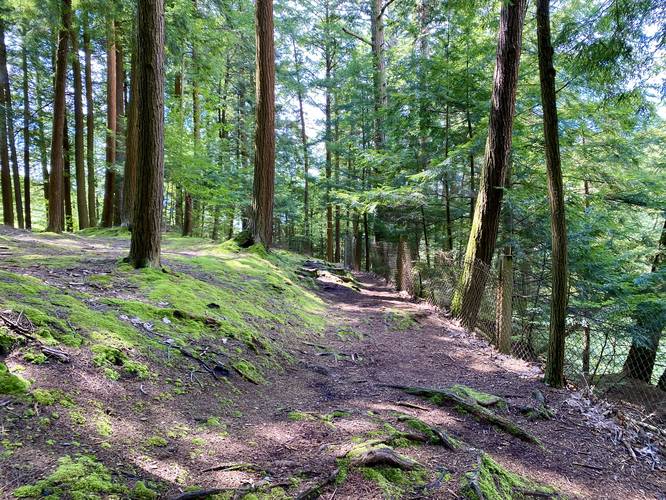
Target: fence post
403, 263
504, 306
586, 350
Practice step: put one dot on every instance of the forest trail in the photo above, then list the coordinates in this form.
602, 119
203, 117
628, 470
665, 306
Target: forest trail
293, 430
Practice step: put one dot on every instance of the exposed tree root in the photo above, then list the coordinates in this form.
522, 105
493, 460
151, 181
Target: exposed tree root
489, 480
540, 410
231, 466
439, 396
238, 493
384, 455
430, 434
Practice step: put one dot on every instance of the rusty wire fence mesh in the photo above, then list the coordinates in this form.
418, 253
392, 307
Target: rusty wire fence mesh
608, 352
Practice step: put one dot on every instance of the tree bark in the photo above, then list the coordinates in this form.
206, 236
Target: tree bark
26, 133
187, 215
120, 128
483, 234
131, 144
5, 170
56, 218
41, 141
79, 153
67, 178
90, 127
264, 142
9, 120
554, 375
146, 235
111, 125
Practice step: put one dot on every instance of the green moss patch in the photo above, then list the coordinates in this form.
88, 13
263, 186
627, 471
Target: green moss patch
479, 397
399, 321
248, 371
491, 481
394, 482
80, 478
10, 383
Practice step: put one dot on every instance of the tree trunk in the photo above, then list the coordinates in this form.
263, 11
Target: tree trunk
304, 142
336, 177
111, 125
379, 73
41, 140
264, 142
79, 153
6, 176
120, 129
90, 128
650, 321
554, 375
56, 217
366, 235
483, 234
328, 59
146, 234
67, 178
131, 143
9, 120
187, 215
26, 134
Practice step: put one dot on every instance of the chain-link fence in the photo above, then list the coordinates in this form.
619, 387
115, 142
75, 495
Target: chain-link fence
609, 351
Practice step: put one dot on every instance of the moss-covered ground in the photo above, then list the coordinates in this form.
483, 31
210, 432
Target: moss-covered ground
216, 320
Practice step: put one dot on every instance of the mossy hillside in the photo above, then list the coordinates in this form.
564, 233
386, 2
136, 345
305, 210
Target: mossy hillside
220, 294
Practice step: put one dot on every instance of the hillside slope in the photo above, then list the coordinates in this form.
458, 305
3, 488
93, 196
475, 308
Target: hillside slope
240, 374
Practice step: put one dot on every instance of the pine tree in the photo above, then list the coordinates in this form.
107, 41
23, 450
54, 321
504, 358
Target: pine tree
481, 243
264, 139
56, 219
146, 234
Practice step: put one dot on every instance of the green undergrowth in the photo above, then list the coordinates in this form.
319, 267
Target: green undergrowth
490, 481
82, 478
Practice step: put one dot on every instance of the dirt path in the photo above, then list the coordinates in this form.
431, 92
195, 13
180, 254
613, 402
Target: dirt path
295, 427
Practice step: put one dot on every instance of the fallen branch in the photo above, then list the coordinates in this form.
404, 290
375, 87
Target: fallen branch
235, 466
238, 492
438, 396
50, 352
314, 491
432, 435
407, 404
16, 327
588, 466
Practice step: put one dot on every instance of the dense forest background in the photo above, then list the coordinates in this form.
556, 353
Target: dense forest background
382, 116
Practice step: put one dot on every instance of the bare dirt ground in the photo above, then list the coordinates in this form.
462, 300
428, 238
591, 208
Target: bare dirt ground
286, 428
